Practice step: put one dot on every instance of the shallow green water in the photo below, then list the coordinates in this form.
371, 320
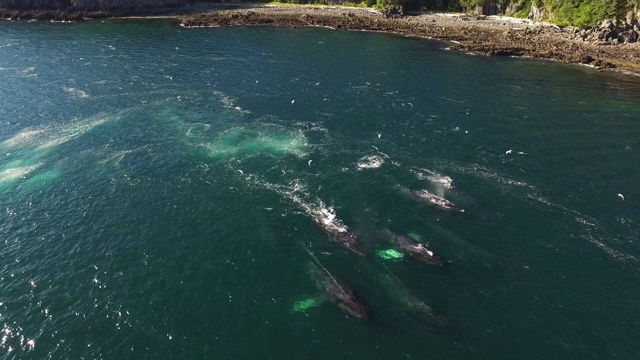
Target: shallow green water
157, 185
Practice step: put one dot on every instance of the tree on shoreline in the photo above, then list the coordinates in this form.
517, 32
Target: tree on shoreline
580, 13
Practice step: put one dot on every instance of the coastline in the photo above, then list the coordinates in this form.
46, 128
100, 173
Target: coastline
489, 35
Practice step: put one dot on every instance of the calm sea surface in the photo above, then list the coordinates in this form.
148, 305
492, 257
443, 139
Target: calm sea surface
157, 186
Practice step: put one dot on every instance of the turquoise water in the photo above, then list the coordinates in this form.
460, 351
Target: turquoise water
158, 186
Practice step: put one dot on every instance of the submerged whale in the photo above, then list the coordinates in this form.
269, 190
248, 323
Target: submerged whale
338, 292
408, 301
435, 201
411, 247
425, 311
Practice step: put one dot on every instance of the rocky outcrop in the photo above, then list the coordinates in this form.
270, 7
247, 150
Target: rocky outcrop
490, 7
537, 13
391, 11
613, 32
496, 7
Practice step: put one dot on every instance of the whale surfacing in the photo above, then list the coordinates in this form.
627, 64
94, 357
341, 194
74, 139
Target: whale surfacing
411, 247
337, 230
435, 201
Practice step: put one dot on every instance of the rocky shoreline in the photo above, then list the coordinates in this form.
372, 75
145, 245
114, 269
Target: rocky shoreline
490, 35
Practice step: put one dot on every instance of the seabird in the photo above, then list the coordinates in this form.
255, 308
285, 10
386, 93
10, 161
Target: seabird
508, 152
621, 196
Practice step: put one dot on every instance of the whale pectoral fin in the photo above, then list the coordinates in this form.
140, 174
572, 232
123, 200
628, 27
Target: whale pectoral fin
390, 254
307, 303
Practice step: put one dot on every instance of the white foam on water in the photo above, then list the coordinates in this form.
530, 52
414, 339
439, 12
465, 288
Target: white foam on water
255, 140
540, 199
75, 92
70, 131
311, 126
312, 206
324, 215
117, 156
44, 137
422, 174
591, 228
598, 242
435, 178
42, 178
592, 232
441, 180
23, 137
228, 102
27, 72
196, 129
19, 172
488, 174
371, 162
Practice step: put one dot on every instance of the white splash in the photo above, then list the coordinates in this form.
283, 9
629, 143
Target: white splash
371, 162
229, 103
18, 172
43, 137
72, 131
441, 180
75, 92
23, 137
315, 208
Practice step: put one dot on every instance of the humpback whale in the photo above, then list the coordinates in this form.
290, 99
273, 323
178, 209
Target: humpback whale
408, 301
337, 230
409, 246
420, 308
435, 201
338, 292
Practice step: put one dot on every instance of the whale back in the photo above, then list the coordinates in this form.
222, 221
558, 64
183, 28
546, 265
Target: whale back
416, 249
339, 293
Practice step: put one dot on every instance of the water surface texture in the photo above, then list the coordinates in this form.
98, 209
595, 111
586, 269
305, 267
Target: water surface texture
158, 187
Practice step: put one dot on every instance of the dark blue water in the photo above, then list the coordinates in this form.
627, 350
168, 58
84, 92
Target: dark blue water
158, 187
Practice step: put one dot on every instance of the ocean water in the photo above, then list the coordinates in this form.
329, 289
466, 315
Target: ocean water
158, 186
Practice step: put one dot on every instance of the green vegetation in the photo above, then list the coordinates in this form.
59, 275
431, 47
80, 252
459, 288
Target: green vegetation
588, 13
581, 13
524, 9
